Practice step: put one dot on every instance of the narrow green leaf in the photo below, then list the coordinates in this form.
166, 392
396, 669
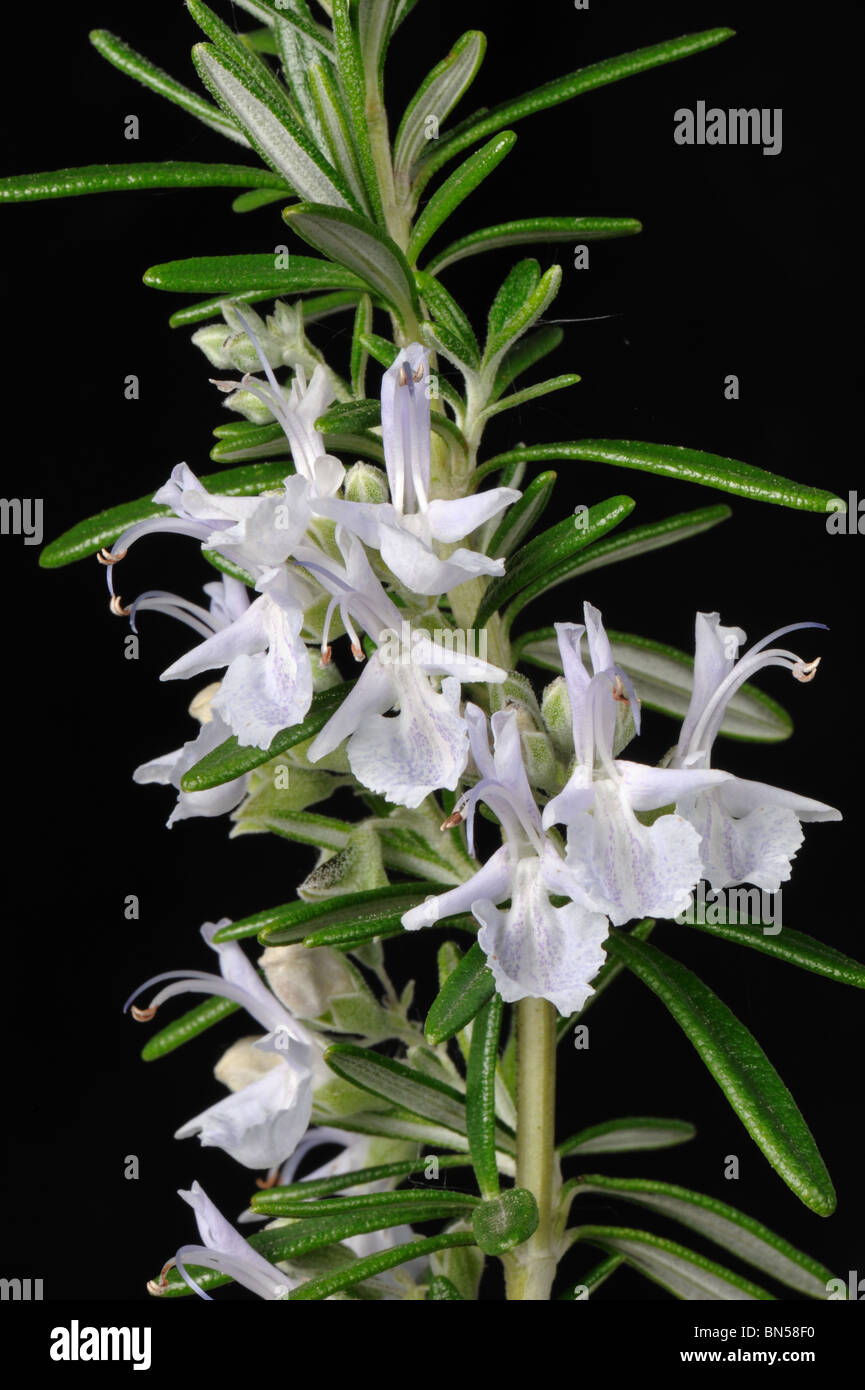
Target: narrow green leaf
456, 189
442, 340
411, 1090
196, 1021
88, 536
426, 1205
638, 541
115, 178
520, 282
333, 117
375, 19
271, 1244
400, 1124
258, 198
598, 1275
326, 1285
281, 142
232, 759
533, 231
531, 393
437, 95
448, 313
663, 677
258, 79
359, 353
549, 559
320, 306
135, 65
350, 417
481, 1095
316, 34
304, 827
224, 566
627, 1136
741, 1068
796, 948
564, 88
689, 465
382, 349
522, 516
292, 921
298, 56
464, 993
230, 276
683, 1272
518, 359
261, 40
422, 1096
725, 1225
326, 1187
351, 79
356, 242
501, 339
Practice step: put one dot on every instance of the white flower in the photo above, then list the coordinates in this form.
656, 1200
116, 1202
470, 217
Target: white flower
426, 745
226, 1252
406, 529
626, 868
749, 831
261, 1124
268, 683
535, 950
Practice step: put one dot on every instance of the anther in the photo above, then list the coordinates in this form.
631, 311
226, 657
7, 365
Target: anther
117, 608
455, 818
358, 652
418, 373
159, 1285
619, 691
401, 377
325, 655
108, 557
806, 670
270, 1181
143, 1015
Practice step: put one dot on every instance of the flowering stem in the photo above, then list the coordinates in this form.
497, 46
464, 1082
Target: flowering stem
531, 1267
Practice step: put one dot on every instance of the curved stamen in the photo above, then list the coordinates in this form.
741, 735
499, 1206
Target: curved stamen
105, 556
171, 524
116, 606
174, 606
755, 659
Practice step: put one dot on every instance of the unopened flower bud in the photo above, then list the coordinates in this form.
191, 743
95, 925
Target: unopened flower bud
244, 1063
366, 483
556, 711
200, 707
305, 979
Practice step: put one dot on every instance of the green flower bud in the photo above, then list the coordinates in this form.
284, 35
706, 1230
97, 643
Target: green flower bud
354, 869
556, 712
366, 483
542, 768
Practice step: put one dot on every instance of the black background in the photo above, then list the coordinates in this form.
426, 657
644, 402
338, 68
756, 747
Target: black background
746, 266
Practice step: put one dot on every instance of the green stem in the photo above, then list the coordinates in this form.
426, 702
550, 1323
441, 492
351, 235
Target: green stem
531, 1268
